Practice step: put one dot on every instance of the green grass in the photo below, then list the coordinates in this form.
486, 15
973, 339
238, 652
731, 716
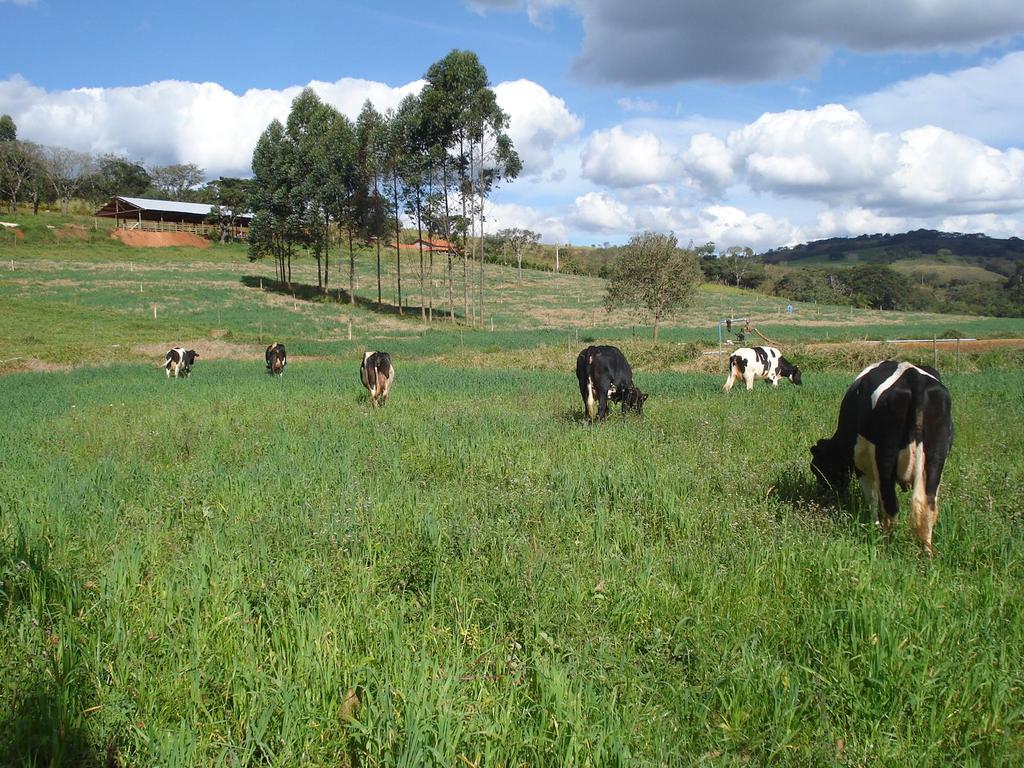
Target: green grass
215, 570
200, 571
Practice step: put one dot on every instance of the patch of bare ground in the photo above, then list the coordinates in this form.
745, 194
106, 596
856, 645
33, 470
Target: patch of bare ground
208, 349
139, 239
23, 364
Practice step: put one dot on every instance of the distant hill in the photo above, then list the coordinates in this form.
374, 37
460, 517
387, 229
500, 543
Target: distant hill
998, 255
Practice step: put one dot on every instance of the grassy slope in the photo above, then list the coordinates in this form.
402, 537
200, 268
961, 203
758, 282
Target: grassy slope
69, 301
196, 572
200, 571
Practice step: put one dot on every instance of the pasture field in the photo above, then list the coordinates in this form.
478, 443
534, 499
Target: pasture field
242, 570
238, 569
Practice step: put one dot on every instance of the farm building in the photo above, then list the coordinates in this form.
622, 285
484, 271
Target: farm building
169, 216
436, 246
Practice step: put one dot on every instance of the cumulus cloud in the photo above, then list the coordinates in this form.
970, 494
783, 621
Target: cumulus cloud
616, 158
538, 122
985, 102
504, 215
600, 212
647, 42
174, 121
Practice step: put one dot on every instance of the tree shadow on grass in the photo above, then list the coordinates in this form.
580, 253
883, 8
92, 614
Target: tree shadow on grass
46, 728
307, 292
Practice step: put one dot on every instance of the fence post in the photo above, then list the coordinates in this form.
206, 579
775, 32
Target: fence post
958, 354
935, 351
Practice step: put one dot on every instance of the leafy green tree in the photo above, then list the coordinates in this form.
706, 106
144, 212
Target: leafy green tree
176, 182
881, 287
21, 172
307, 129
276, 226
655, 276
345, 185
115, 175
371, 206
230, 197
8, 130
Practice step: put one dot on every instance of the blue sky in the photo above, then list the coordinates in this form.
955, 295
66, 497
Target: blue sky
741, 123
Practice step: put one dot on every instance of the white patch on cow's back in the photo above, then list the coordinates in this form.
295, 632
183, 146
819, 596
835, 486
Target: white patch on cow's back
867, 370
886, 385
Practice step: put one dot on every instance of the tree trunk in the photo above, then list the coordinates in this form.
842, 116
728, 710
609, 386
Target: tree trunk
480, 299
465, 248
655, 327
379, 299
419, 239
351, 270
447, 236
327, 252
398, 250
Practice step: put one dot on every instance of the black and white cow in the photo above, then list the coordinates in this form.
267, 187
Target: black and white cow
377, 374
604, 374
179, 360
277, 359
894, 427
749, 363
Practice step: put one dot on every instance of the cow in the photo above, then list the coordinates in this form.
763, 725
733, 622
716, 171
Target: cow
178, 360
377, 374
894, 427
768, 363
277, 359
604, 374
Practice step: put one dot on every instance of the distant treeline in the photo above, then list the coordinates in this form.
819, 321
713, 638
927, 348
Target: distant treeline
1001, 255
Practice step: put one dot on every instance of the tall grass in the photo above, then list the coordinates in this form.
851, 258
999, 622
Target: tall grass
250, 570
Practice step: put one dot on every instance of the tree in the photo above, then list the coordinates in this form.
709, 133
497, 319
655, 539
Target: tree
177, 182
21, 171
66, 171
8, 130
371, 207
229, 197
654, 276
276, 224
520, 241
880, 286
115, 175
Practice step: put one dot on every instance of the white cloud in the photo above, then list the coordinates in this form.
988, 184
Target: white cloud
538, 122
855, 221
600, 212
619, 159
627, 104
708, 161
173, 121
505, 215
986, 102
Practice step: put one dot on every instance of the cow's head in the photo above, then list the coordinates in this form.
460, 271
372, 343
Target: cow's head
789, 371
827, 466
189, 360
633, 400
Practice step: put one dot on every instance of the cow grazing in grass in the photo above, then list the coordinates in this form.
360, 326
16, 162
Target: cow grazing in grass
749, 363
179, 360
894, 427
277, 359
377, 374
604, 374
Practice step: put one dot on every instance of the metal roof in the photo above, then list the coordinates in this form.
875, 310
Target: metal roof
161, 206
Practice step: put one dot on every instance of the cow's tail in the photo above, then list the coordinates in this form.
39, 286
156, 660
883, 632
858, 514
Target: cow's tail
384, 365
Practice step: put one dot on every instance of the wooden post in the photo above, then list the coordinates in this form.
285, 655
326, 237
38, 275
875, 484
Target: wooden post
958, 354
350, 329
154, 311
935, 352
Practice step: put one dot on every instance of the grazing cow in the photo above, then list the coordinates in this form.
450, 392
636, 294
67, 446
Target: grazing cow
894, 427
178, 360
751, 363
605, 375
277, 359
377, 374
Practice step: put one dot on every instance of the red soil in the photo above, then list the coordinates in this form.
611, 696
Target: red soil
139, 239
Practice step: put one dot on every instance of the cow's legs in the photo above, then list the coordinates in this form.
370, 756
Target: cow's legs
749, 378
865, 459
602, 407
